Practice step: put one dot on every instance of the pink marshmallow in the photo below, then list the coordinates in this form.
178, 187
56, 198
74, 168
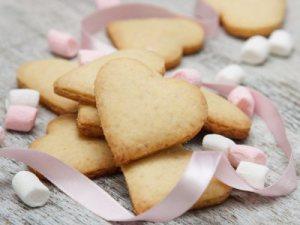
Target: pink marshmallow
103, 4
190, 75
2, 135
85, 56
20, 118
62, 43
238, 153
242, 98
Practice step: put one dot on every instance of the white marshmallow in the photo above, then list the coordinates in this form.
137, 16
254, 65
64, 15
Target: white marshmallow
281, 43
101, 46
231, 74
30, 189
255, 51
216, 142
26, 97
253, 173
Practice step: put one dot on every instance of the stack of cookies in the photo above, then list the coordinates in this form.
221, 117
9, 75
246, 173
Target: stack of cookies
118, 111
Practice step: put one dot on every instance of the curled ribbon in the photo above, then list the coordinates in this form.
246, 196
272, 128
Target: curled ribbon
195, 179
265, 109
97, 21
202, 166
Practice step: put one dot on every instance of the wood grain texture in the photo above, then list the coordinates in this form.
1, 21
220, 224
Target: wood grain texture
23, 26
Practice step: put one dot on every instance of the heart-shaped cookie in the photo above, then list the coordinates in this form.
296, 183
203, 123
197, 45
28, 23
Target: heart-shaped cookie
90, 156
88, 121
40, 75
246, 18
141, 112
225, 118
170, 38
151, 179
79, 83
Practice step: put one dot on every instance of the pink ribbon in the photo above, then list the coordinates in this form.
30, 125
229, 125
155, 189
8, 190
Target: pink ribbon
97, 21
195, 179
265, 109
202, 166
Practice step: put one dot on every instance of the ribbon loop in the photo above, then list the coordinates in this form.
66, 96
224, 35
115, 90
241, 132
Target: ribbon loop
202, 166
195, 179
204, 14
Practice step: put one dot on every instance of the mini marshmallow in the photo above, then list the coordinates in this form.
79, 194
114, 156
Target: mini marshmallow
281, 43
2, 136
20, 118
103, 47
242, 98
26, 97
30, 189
190, 75
103, 4
85, 56
255, 51
238, 153
231, 74
254, 174
62, 43
216, 142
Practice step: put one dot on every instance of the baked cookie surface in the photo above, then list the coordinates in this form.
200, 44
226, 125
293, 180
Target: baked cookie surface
89, 156
88, 121
150, 180
40, 75
225, 118
246, 18
78, 84
170, 38
141, 112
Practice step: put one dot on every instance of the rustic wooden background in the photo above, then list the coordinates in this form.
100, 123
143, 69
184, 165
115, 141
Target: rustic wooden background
23, 27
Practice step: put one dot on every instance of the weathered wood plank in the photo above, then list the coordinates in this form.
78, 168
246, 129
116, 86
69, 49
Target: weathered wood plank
23, 26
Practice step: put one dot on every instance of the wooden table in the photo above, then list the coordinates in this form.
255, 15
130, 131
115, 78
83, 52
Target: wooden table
23, 27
